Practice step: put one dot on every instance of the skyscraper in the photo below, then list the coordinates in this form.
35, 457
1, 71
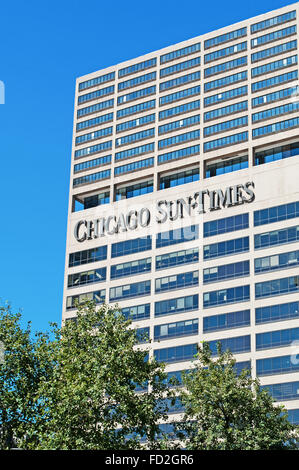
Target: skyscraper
184, 197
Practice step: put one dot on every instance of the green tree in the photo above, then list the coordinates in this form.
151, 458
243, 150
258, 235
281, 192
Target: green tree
227, 411
22, 367
76, 389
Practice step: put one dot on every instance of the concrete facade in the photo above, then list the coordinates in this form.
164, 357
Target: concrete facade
274, 183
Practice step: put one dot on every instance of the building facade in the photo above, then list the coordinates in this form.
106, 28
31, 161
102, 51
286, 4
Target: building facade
184, 197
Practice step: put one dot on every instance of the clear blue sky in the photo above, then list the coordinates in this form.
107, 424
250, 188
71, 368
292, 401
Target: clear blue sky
45, 45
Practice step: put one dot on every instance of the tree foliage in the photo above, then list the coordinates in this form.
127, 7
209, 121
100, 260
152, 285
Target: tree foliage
77, 390
225, 410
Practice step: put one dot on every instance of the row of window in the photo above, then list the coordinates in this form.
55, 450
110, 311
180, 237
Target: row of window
274, 36
210, 299
273, 51
221, 39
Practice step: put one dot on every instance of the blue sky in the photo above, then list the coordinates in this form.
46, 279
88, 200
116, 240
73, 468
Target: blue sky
44, 47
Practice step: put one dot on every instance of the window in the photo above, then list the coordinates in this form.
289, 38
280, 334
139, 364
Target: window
93, 149
128, 139
278, 312
278, 64
225, 67
225, 225
274, 262
188, 64
180, 53
239, 344
283, 391
94, 135
272, 51
286, 285
276, 214
95, 108
96, 94
227, 51
276, 237
130, 268
293, 416
276, 365
176, 179
92, 201
276, 96
182, 123
136, 81
97, 81
274, 36
147, 163
276, 20
175, 330
228, 165
137, 67
225, 141
98, 297
137, 312
179, 235
143, 335
177, 258
222, 82
229, 247
175, 82
177, 281
178, 139
225, 126
179, 95
128, 247
130, 290
226, 321
177, 154
277, 127
134, 152
177, 305
276, 153
141, 121
87, 277
138, 108
94, 122
227, 95
91, 178
138, 189
226, 271
238, 33
184, 108
92, 163
276, 339
136, 95
226, 296
226, 110
88, 256
274, 81
176, 353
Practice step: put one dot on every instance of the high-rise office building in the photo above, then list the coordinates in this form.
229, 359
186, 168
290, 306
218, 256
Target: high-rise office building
184, 197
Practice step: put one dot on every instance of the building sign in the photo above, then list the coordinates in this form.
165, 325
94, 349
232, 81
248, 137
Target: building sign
197, 203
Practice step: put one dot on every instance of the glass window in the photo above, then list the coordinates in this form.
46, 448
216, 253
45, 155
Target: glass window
138, 189
226, 271
276, 214
177, 258
225, 248
88, 256
276, 339
179, 235
239, 344
274, 81
286, 285
225, 66
86, 277
137, 67
276, 365
225, 141
226, 296
95, 108
227, 51
91, 178
176, 353
147, 163
137, 312
177, 305
278, 312
176, 179
177, 154
175, 330
178, 281
97, 81
96, 94
276, 20
127, 247
130, 268
129, 291
184, 108
180, 53
238, 33
226, 321
175, 82
98, 297
136, 81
